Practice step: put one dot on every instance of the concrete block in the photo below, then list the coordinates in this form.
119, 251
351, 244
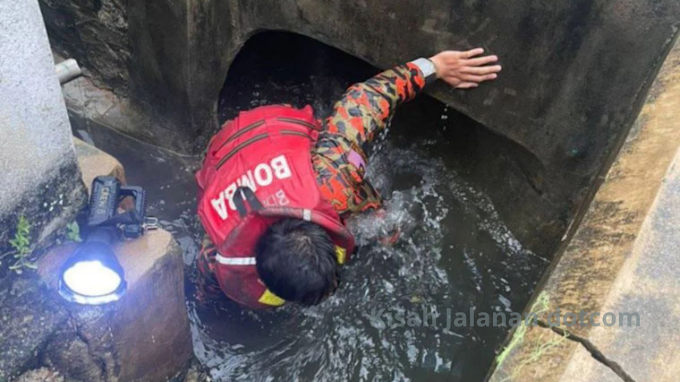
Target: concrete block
143, 337
94, 162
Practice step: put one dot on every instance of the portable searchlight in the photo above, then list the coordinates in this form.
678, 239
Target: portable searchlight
93, 275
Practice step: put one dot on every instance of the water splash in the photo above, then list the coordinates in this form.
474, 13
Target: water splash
433, 266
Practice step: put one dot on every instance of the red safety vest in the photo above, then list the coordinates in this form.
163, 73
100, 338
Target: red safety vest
257, 170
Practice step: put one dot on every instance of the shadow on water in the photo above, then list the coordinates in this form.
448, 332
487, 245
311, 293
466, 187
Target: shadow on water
454, 254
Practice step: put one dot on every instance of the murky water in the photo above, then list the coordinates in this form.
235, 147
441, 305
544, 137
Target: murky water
454, 253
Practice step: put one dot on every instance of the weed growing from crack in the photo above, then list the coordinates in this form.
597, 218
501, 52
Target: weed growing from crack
541, 305
73, 232
540, 346
22, 246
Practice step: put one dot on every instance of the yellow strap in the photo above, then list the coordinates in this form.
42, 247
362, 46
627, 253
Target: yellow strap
269, 298
340, 254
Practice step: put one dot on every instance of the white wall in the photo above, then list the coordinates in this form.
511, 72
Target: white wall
35, 135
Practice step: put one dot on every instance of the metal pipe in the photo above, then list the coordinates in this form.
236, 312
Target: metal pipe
67, 70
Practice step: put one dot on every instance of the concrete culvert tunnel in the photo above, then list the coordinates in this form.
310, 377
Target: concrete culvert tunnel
551, 188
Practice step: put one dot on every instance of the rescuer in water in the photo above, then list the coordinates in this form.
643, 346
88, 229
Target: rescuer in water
277, 185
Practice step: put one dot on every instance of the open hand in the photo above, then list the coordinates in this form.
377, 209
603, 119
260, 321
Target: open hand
465, 70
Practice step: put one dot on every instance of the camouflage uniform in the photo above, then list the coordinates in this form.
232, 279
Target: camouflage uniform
363, 111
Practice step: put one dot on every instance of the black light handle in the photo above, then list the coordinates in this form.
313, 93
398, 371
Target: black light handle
107, 192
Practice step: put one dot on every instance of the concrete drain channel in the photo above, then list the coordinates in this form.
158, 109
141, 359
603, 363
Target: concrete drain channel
515, 263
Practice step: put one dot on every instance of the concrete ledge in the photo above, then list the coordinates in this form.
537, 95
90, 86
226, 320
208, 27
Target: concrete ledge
617, 262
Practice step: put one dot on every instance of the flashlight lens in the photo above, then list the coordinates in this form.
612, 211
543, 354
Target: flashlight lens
91, 278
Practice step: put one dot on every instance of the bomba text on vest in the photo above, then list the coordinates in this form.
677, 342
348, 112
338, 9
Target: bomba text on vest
262, 175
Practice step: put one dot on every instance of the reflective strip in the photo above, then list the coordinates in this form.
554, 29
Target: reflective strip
307, 215
235, 260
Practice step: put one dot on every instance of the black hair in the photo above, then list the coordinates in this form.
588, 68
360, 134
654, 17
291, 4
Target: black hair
296, 260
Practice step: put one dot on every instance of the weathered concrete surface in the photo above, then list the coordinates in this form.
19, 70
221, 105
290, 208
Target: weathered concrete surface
41, 375
40, 177
143, 337
27, 318
622, 259
96, 33
90, 102
559, 78
194, 373
40, 180
648, 285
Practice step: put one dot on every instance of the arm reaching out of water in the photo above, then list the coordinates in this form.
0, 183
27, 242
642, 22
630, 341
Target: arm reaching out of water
367, 107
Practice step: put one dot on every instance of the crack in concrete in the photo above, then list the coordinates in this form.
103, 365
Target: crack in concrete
592, 349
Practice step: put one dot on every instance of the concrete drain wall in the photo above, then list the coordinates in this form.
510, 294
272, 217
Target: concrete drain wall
590, 268
621, 261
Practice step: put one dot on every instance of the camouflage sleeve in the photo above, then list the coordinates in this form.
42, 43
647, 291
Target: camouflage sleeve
367, 107
361, 113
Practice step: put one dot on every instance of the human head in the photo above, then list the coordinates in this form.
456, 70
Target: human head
296, 260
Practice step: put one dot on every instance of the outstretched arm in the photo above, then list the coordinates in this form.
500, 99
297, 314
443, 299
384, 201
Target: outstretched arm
367, 107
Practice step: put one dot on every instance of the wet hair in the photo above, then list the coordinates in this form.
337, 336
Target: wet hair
296, 260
